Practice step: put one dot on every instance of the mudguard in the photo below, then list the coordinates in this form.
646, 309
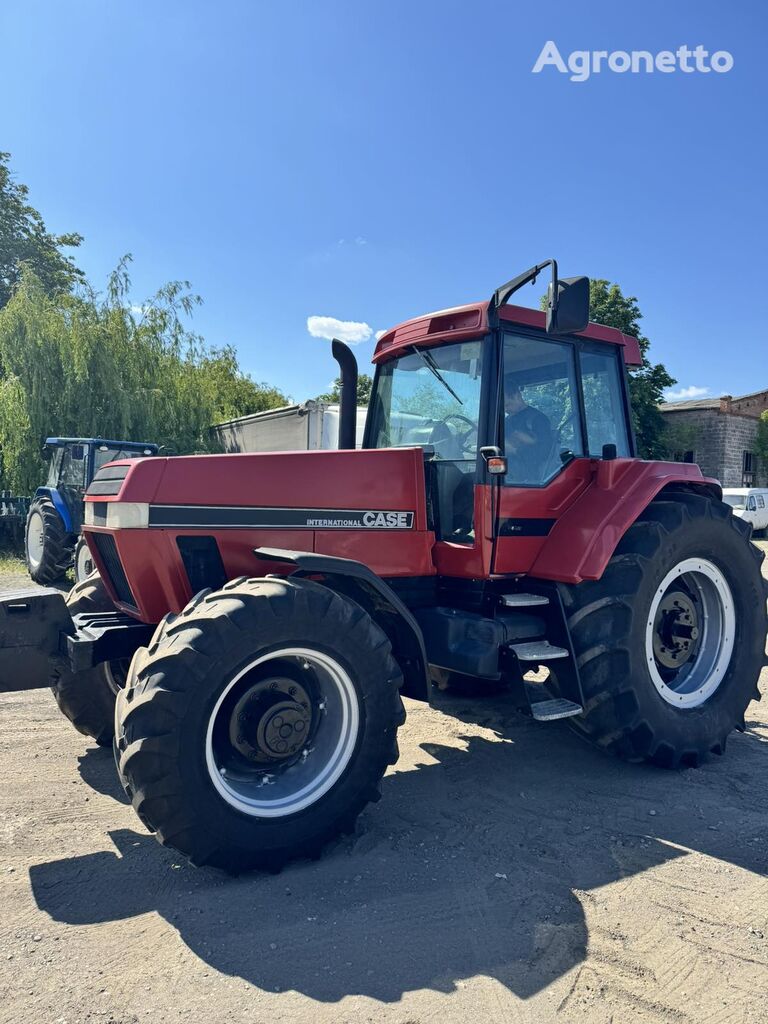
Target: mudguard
358, 582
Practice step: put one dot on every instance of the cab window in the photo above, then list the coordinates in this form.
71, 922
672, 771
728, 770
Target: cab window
603, 402
541, 409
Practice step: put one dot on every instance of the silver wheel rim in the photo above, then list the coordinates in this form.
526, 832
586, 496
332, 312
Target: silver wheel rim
35, 539
84, 566
703, 631
291, 785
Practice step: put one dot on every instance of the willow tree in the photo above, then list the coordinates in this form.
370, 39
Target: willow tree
79, 364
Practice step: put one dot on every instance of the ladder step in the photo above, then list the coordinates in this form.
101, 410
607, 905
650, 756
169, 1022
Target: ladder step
523, 600
538, 650
550, 710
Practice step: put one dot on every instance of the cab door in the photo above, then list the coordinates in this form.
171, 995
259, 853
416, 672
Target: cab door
563, 401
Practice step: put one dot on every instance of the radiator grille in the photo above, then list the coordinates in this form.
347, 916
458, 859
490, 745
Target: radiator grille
107, 549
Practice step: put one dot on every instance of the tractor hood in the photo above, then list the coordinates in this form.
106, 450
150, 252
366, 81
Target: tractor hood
369, 506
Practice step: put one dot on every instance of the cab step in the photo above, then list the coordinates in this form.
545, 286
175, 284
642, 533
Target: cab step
538, 650
523, 600
554, 708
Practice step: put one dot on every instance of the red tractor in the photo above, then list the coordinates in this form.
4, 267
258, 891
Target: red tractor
256, 618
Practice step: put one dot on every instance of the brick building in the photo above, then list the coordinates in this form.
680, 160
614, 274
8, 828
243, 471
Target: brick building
719, 434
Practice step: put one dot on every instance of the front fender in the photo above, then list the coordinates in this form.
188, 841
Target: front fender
584, 538
356, 581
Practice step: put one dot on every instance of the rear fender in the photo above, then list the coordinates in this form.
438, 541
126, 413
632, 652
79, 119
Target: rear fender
358, 582
584, 538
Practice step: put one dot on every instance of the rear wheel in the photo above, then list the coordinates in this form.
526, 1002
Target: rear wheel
670, 641
47, 545
258, 723
87, 698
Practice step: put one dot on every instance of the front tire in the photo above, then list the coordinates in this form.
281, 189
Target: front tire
258, 723
83, 561
47, 545
670, 641
87, 698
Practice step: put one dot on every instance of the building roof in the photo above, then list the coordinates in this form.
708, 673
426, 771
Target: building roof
736, 404
694, 403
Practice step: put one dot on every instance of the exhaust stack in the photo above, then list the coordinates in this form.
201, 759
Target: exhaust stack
348, 404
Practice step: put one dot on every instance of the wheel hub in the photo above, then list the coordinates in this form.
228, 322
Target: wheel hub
272, 721
676, 629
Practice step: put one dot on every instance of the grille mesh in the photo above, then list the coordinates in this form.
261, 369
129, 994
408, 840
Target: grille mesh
107, 549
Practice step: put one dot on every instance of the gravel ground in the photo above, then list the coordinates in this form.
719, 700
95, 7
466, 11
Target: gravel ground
510, 873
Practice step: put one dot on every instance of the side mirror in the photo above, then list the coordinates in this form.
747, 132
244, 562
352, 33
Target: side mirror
568, 305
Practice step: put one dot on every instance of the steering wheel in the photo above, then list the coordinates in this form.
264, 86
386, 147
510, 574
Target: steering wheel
463, 437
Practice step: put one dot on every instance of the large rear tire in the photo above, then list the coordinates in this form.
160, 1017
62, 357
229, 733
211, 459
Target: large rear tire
87, 698
258, 723
670, 641
47, 545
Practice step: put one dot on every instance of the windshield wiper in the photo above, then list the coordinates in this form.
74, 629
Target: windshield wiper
431, 365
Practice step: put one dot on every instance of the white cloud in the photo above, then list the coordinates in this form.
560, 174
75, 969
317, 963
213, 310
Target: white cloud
380, 335
329, 327
682, 394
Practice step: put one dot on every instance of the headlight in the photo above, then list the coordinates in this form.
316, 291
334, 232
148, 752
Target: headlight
117, 515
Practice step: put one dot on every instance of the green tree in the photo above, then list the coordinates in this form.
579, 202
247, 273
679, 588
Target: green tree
608, 305
81, 364
364, 385
25, 241
761, 444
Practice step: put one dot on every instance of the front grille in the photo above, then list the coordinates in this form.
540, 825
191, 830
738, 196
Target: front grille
107, 549
202, 562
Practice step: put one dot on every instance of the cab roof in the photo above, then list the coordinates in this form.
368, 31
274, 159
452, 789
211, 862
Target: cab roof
60, 442
464, 322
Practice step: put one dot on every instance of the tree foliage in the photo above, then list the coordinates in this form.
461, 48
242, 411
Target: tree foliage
761, 443
85, 365
25, 242
608, 305
364, 385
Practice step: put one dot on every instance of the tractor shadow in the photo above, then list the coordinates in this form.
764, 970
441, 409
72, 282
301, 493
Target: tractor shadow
477, 861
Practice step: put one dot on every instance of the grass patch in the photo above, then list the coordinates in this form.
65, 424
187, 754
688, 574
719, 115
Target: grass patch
12, 563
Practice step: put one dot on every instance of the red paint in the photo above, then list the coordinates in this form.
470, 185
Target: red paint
387, 479
465, 322
586, 534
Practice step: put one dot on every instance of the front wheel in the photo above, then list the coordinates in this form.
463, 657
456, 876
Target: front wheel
258, 723
87, 698
670, 641
84, 565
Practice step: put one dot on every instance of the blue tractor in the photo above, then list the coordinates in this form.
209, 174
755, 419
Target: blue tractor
52, 537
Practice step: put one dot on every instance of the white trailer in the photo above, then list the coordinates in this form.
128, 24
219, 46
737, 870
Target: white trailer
312, 424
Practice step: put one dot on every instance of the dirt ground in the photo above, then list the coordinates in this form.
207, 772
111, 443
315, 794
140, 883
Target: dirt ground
509, 874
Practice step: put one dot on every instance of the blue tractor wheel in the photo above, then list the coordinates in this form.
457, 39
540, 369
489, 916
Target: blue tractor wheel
48, 546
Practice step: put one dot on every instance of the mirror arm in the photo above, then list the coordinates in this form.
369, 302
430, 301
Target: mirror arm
503, 294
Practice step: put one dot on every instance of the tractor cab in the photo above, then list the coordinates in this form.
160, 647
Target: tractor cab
56, 514
511, 407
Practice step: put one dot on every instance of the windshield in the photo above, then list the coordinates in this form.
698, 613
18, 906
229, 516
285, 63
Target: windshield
101, 457
735, 500
430, 397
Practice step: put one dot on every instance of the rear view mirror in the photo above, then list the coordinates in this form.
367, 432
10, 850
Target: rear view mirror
568, 305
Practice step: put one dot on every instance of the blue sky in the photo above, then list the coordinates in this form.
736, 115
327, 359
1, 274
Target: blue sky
371, 161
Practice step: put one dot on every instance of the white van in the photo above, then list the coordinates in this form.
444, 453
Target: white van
750, 503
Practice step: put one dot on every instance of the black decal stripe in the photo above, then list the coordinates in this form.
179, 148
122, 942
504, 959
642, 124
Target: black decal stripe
525, 527
244, 517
